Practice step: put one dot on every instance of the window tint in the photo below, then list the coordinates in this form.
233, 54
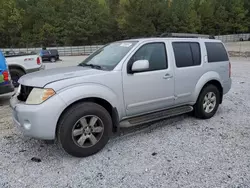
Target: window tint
155, 53
187, 54
216, 52
183, 54
54, 52
196, 52
45, 52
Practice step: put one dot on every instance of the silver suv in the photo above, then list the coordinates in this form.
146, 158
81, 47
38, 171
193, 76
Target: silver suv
123, 84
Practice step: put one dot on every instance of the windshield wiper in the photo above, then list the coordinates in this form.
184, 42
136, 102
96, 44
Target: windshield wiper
92, 66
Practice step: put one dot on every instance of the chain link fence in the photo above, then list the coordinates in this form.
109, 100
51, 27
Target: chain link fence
234, 38
63, 51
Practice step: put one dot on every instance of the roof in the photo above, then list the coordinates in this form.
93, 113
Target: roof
171, 39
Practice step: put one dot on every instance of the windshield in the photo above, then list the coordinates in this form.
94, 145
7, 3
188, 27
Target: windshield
109, 56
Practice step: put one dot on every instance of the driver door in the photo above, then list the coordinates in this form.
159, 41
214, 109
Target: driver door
152, 89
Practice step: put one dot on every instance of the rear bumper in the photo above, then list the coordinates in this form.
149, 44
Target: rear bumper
36, 69
7, 88
227, 86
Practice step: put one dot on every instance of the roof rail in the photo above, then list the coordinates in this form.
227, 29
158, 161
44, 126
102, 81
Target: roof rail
186, 35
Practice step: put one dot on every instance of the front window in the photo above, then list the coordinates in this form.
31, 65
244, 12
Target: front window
155, 53
109, 56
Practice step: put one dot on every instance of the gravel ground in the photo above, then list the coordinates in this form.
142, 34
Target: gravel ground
178, 152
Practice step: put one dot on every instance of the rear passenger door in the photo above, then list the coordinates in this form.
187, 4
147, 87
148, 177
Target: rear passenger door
188, 69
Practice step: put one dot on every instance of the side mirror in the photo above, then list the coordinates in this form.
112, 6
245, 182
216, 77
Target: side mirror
140, 65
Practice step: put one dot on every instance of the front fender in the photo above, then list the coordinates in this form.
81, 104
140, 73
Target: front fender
90, 90
205, 78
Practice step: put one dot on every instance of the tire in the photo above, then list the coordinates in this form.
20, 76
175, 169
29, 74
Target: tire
205, 112
53, 59
70, 123
16, 74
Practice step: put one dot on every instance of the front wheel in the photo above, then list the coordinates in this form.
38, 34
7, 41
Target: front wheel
207, 103
84, 129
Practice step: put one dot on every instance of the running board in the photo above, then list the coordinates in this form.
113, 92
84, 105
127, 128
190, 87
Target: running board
155, 116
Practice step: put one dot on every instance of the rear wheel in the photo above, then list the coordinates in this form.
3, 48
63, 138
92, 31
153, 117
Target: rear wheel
84, 129
16, 74
207, 103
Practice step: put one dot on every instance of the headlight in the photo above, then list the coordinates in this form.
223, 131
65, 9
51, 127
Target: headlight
38, 95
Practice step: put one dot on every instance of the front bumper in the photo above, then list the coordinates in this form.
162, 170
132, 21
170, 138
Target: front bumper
37, 121
6, 88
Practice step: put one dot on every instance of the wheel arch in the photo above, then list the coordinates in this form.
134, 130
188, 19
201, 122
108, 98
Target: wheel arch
102, 102
215, 83
210, 77
14, 66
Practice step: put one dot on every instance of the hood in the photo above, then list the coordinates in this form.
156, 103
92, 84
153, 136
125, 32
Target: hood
44, 77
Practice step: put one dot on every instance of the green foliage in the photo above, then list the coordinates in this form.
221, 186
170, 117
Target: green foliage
10, 21
25, 23
142, 18
237, 16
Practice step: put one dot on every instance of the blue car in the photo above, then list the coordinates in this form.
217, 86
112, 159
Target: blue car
6, 85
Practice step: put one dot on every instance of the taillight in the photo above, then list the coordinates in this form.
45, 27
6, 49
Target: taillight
230, 70
38, 61
6, 76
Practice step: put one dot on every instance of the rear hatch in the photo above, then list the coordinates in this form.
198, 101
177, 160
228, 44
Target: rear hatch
54, 53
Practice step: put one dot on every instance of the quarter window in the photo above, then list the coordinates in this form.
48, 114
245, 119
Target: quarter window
216, 52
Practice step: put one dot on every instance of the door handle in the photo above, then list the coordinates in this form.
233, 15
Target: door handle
168, 76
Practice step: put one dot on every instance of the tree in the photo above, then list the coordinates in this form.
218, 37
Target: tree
247, 7
32, 23
237, 16
184, 17
10, 22
142, 18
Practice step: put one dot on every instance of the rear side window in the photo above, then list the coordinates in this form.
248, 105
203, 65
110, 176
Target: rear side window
196, 52
187, 54
45, 52
216, 52
54, 52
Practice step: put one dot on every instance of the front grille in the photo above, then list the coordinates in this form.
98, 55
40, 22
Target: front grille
24, 93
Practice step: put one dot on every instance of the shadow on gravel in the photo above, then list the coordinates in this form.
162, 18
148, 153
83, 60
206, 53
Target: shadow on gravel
149, 127
31, 149
40, 151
